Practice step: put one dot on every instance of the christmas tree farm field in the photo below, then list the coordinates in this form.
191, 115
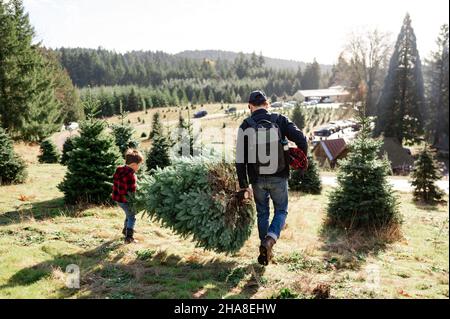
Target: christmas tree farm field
40, 237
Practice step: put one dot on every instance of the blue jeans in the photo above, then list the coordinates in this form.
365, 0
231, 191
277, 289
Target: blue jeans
275, 188
130, 219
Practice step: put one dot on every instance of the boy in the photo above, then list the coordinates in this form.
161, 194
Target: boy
124, 184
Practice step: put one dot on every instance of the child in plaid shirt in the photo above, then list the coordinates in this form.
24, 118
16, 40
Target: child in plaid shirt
124, 184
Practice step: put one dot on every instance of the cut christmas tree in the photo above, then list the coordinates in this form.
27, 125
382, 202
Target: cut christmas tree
197, 197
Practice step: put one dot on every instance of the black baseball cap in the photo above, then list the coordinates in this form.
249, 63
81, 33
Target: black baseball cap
257, 98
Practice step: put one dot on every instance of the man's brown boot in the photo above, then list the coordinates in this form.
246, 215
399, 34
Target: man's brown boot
265, 251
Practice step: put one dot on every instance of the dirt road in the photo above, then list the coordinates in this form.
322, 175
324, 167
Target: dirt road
399, 184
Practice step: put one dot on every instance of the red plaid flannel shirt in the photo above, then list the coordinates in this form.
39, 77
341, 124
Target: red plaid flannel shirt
124, 183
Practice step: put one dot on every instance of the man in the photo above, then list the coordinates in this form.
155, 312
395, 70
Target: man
269, 179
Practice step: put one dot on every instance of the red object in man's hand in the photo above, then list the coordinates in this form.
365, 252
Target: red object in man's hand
298, 159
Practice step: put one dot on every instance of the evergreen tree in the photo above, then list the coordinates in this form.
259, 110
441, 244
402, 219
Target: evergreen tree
194, 99
28, 105
71, 109
67, 148
437, 90
184, 99
402, 102
91, 165
186, 139
364, 199
12, 167
341, 73
144, 106
424, 176
158, 156
211, 98
311, 77
298, 117
307, 182
132, 101
196, 197
157, 129
123, 135
49, 152
202, 97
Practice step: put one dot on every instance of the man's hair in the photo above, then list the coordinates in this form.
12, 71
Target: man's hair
133, 156
260, 104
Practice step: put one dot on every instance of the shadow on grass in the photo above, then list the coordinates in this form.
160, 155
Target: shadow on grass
107, 272
41, 211
349, 250
432, 207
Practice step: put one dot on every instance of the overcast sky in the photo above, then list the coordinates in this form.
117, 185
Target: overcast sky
289, 29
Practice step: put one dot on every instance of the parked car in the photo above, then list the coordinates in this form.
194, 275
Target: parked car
231, 110
347, 123
277, 105
323, 132
335, 126
310, 103
327, 100
288, 105
356, 126
200, 114
73, 126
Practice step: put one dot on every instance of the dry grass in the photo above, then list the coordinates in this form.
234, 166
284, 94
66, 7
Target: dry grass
29, 152
39, 237
38, 241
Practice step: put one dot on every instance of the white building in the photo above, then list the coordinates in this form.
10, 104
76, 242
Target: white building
334, 94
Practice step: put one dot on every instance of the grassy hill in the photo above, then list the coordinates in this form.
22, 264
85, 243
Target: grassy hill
216, 125
40, 237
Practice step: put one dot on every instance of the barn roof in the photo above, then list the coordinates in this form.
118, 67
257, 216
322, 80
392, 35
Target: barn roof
333, 148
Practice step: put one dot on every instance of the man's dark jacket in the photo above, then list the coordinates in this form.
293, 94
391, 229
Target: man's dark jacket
288, 130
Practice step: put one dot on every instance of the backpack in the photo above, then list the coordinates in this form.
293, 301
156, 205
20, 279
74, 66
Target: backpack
268, 137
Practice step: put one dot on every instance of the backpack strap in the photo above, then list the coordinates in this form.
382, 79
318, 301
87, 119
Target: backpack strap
274, 118
251, 122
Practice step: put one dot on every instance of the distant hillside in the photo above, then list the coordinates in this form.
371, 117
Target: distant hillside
231, 56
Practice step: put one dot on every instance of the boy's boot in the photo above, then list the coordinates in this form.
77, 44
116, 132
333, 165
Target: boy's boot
124, 231
265, 251
129, 236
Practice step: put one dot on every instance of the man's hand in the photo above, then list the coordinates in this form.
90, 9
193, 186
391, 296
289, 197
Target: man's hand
245, 193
